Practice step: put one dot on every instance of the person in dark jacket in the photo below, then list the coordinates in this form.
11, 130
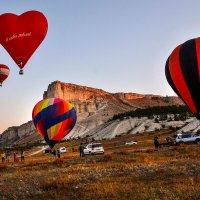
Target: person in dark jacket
8, 156
58, 153
156, 143
54, 153
81, 149
22, 155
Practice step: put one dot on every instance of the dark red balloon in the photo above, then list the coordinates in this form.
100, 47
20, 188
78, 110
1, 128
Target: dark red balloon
21, 35
4, 72
182, 71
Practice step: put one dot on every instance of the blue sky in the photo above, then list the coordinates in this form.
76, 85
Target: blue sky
115, 45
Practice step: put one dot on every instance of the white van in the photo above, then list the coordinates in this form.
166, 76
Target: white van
94, 148
187, 138
62, 150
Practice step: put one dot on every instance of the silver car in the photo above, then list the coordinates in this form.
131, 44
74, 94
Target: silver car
94, 148
62, 150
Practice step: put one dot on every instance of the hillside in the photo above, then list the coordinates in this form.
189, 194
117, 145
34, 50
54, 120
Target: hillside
94, 108
128, 172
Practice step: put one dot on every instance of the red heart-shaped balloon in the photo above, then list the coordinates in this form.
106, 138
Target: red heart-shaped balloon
21, 35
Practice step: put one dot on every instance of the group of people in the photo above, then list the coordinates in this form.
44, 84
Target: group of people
5, 156
56, 153
169, 142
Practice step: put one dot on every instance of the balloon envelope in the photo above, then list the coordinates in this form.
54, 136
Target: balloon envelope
21, 35
4, 72
182, 71
54, 118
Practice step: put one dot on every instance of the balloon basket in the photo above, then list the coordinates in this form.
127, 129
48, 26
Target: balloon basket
21, 72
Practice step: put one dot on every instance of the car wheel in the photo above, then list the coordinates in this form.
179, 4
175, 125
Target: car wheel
181, 142
197, 141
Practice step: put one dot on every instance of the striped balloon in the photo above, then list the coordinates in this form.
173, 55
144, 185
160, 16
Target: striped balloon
182, 71
4, 72
54, 118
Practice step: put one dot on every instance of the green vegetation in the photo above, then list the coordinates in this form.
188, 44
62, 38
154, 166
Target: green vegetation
149, 112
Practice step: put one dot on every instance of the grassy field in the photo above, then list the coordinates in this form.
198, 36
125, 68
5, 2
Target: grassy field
123, 172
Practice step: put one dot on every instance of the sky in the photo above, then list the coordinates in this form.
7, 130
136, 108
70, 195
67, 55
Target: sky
114, 45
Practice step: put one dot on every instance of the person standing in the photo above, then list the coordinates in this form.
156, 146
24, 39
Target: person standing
156, 143
8, 156
3, 156
54, 153
22, 155
14, 156
58, 153
17, 157
81, 149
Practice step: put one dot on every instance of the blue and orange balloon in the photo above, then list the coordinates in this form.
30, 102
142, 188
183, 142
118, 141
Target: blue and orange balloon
54, 118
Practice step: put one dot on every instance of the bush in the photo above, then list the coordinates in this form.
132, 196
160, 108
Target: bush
157, 110
169, 119
156, 120
163, 125
146, 127
173, 128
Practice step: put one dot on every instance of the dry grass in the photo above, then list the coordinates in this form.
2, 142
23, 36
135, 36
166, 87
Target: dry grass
125, 172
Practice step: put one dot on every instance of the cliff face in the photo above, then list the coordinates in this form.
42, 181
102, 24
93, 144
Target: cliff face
85, 99
14, 134
94, 107
88, 100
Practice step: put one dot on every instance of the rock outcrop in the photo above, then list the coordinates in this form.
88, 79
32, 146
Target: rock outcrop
94, 108
14, 135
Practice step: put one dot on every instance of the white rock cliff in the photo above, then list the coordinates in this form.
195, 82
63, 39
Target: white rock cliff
94, 108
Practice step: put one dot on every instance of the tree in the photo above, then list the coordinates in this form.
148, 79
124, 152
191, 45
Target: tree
156, 120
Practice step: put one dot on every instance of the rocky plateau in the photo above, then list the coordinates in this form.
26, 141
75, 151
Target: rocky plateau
95, 108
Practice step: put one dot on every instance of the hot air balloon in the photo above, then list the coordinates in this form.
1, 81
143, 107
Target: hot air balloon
54, 118
21, 35
4, 72
182, 71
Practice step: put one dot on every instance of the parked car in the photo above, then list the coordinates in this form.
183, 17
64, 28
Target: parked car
93, 148
130, 142
62, 150
187, 138
47, 151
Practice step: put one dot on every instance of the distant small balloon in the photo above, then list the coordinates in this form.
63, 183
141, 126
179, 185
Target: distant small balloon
21, 35
4, 73
54, 118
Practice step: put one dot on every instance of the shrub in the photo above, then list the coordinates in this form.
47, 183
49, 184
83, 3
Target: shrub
163, 125
146, 127
108, 157
123, 152
157, 110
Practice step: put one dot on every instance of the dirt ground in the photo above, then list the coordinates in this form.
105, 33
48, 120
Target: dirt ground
123, 172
